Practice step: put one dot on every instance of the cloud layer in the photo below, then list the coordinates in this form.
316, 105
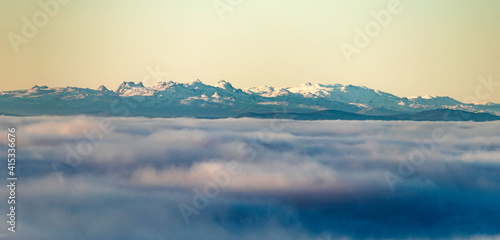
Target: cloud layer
131, 178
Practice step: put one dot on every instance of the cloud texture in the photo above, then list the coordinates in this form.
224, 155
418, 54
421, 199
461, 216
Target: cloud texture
140, 178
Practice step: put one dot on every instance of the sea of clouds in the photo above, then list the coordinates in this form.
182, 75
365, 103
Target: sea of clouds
86, 177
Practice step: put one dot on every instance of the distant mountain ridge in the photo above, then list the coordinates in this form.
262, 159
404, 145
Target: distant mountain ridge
196, 99
430, 115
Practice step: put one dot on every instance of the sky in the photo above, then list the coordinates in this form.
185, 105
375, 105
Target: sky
427, 47
181, 178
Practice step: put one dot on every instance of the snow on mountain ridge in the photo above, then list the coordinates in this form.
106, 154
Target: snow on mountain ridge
305, 97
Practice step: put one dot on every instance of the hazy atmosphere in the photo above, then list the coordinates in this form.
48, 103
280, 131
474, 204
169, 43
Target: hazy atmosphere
405, 47
138, 178
250, 119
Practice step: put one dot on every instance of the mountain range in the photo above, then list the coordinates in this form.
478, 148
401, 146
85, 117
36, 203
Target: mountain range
196, 99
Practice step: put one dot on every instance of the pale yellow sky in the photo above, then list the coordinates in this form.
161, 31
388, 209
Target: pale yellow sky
432, 47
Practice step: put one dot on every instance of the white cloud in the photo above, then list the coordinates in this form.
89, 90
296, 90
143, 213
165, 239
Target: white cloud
303, 179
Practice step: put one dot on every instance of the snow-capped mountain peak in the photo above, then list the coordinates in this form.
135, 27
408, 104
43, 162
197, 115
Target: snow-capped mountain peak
102, 88
225, 85
224, 97
133, 89
196, 82
160, 86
